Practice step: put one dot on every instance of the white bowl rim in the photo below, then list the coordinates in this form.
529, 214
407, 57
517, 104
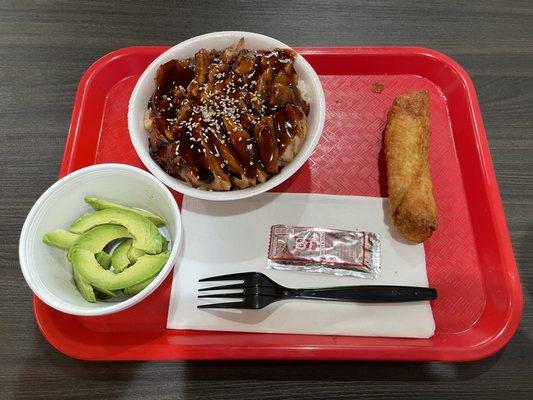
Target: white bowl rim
276, 180
113, 307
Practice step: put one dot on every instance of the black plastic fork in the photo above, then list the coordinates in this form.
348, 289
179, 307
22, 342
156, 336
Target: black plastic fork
258, 291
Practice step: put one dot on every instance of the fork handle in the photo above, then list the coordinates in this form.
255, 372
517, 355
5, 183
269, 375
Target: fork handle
368, 294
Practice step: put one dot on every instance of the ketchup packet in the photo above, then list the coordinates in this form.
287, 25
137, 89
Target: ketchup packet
332, 251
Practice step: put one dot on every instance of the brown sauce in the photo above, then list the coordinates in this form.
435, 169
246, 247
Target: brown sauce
195, 95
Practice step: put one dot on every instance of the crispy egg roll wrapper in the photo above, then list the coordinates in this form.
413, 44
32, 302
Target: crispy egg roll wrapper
413, 207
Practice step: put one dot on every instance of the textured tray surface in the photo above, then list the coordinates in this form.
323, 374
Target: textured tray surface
465, 261
348, 160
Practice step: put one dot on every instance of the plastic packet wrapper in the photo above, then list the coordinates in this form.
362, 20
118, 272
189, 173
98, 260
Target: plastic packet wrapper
338, 252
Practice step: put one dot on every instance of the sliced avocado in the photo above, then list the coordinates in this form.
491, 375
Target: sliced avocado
85, 264
134, 289
84, 287
100, 204
95, 239
60, 238
134, 253
104, 294
119, 259
103, 259
145, 234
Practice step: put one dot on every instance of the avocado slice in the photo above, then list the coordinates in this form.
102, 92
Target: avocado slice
60, 238
96, 238
103, 259
100, 204
64, 240
146, 267
134, 253
84, 287
134, 289
103, 294
90, 293
145, 234
119, 259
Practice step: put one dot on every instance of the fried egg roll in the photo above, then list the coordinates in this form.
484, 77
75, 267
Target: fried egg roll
413, 207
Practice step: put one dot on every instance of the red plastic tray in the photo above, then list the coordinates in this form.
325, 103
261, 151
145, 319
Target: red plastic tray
470, 258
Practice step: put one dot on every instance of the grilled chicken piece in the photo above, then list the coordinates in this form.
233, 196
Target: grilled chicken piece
218, 178
188, 160
194, 88
218, 72
179, 94
246, 150
287, 75
191, 171
157, 131
259, 94
206, 156
264, 80
248, 119
280, 94
244, 65
228, 157
230, 53
184, 112
201, 69
285, 134
221, 180
291, 127
165, 154
243, 182
265, 135
299, 125
180, 163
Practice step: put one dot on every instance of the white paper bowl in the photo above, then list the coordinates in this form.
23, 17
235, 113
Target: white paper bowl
218, 40
46, 268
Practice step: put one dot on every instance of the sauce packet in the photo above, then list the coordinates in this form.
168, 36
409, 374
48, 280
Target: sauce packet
333, 251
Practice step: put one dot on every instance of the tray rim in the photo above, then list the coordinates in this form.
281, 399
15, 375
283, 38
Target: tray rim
481, 350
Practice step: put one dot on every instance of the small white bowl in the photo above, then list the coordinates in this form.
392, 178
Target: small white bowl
218, 40
47, 270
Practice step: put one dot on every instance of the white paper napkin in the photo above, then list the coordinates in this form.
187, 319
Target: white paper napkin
228, 237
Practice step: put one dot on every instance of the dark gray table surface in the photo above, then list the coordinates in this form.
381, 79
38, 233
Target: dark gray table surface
45, 46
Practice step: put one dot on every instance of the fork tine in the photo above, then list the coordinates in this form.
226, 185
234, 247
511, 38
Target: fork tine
230, 277
235, 304
222, 296
235, 286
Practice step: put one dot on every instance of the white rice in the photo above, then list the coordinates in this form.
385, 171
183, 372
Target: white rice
303, 89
